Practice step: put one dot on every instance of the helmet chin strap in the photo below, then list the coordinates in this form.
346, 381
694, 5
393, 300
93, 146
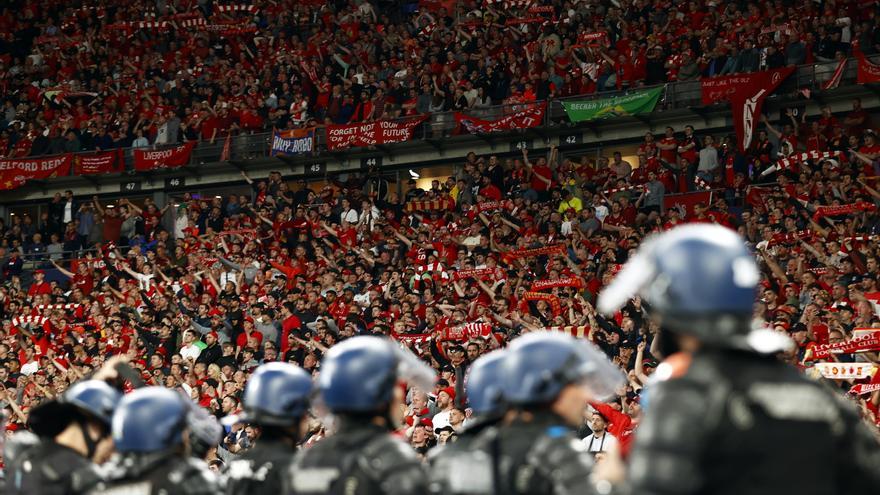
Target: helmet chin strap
91, 443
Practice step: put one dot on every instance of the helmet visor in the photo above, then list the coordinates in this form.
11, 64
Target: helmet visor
596, 373
413, 370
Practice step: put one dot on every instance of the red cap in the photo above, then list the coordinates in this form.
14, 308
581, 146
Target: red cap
450, 392
215, 312
39, 272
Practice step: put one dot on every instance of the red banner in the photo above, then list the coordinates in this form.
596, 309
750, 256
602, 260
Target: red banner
720, 88
15, 172
868, 72
748, 98
100, 162
532, 115
686, 201
371, 133
177, 156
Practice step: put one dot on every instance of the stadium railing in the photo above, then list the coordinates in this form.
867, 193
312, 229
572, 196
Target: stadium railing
676, 95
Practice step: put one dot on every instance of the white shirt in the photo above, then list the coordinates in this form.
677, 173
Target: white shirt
68, 212
143, 280
440, 420
350, 216
190, 351
602, 443
162, 134
180, 223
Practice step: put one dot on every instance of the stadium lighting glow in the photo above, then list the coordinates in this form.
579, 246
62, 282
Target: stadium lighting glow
414, 175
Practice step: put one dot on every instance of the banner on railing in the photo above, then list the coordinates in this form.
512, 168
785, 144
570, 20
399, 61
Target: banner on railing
371, 133
177, 156
685, 203
722, 88
531, 115
616, 106
868, 72
15, 172
99, 162
293, 142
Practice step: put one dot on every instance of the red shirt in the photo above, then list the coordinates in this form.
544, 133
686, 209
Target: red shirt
85, 283
545, 172
242, 340
668, 155
491, 192
39, 288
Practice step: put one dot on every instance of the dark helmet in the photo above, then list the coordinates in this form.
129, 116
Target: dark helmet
358, 375
205, 431
484, 384
699, 279
93, 398
539, 365
276, 395
150, 419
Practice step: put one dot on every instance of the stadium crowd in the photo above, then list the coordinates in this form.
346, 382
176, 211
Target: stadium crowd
80, 76
199, 293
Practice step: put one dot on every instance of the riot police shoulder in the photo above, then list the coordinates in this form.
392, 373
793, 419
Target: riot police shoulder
464, 466
563, 460
193, 477
393, 465
18, 444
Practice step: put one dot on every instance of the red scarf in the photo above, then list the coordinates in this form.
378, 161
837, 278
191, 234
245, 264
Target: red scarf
831, 211
576, 282
550, 299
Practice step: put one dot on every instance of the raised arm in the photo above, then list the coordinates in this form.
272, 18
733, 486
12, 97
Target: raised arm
62, 270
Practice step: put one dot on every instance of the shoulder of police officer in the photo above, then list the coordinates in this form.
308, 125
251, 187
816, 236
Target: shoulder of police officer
267, 459
174, 474
381, 460
44, 458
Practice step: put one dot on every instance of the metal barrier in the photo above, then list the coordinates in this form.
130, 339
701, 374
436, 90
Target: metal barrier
677, 95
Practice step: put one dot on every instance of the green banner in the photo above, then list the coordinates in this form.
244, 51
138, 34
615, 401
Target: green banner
616, 106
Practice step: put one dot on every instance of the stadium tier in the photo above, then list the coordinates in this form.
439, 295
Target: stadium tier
226, 199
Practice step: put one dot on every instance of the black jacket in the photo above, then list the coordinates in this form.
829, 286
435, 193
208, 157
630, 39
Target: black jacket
361, 459
157, 473
541, 456
45, 467
261, 469
738, 422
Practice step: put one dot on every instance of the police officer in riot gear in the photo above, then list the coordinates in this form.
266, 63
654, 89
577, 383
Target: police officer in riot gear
70, 434
724, 415
152, 445
547, 379
358, 384
276, 398
205, 432
465, 466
